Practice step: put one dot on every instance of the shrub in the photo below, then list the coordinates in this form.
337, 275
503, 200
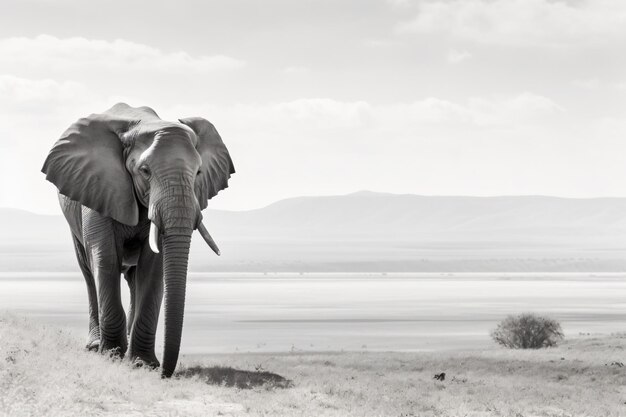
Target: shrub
527, 331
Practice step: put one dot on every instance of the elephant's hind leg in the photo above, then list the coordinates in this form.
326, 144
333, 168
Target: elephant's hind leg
93, 337
130, 274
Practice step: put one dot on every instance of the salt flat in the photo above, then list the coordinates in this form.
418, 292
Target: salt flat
251, 312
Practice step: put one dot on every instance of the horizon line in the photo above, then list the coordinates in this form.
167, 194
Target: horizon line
363, 193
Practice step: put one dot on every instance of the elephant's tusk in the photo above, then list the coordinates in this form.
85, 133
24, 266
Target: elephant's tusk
208, 239
153, 239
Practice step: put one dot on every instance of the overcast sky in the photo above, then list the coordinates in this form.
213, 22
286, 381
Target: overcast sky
466, 97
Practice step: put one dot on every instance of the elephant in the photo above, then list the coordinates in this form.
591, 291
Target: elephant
132, 187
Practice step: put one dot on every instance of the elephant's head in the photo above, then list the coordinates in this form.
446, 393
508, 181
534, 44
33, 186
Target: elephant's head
125, 158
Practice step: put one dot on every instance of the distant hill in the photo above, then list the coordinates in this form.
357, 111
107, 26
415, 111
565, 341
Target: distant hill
375, 232
369, 214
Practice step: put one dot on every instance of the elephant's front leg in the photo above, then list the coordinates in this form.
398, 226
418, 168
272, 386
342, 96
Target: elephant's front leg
148, 297
104, 252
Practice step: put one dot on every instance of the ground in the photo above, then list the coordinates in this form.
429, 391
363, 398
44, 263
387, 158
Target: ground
44, 371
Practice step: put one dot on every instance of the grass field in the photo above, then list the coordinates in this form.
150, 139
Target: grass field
45, 371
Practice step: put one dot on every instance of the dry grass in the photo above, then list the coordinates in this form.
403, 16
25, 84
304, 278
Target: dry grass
43, 371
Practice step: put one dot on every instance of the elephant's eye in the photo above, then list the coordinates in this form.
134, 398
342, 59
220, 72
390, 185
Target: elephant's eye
198, 173
145, 171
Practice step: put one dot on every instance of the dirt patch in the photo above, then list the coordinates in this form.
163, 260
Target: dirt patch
231, 377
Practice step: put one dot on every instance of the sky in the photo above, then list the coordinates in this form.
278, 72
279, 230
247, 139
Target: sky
438, 97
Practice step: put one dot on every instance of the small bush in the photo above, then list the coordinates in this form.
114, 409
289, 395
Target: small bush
527, 331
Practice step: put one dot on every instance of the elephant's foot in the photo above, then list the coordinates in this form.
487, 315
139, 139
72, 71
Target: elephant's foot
93, 340
113, 353
140, 363
145, 360
93, 345
115, 348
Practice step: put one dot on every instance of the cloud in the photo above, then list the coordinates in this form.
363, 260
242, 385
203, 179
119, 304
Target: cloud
588, 83
35, 111
300, 116
16, 90
378, 43
456, 57
80, 54
314, 115
295, 70
525, 108
399, 3
522, 22
29, 107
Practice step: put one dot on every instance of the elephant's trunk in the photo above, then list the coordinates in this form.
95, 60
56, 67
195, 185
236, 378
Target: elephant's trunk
175, 213
175, 261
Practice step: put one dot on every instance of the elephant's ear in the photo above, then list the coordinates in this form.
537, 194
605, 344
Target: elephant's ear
216, 163
87, 165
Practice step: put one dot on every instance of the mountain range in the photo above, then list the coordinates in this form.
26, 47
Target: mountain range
378, 232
